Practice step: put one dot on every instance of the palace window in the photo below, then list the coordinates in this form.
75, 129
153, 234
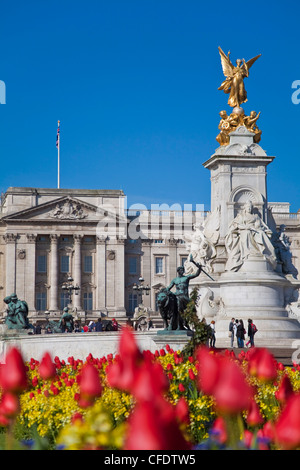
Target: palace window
88, 264
42, 264
133, 302
132, 265
159, 265
64, 264
88, 301
64, 300
41, 301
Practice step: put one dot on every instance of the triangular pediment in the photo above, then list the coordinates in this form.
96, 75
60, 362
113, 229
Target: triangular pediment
64, 209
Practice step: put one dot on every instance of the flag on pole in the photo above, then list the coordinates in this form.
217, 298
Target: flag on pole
57, 135
58, 154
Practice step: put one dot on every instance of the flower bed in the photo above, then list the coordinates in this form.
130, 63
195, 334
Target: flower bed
143, 401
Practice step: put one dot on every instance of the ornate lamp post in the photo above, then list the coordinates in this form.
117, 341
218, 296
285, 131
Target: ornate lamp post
141, 289
69, 288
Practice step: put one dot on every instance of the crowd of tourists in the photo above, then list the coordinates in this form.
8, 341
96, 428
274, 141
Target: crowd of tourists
78, 327
237, 331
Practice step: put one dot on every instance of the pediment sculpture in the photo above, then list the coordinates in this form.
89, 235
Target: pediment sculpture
68, 210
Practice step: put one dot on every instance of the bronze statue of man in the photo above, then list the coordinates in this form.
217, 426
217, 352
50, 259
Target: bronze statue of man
17, 313
181, 282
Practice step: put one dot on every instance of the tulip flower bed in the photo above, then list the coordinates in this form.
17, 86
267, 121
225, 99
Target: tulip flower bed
143, 401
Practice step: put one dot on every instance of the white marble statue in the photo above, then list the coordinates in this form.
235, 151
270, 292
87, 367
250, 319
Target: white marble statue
201, 243
248, 235
282, 246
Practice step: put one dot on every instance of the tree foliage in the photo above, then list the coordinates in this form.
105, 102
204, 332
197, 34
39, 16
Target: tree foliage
199, 327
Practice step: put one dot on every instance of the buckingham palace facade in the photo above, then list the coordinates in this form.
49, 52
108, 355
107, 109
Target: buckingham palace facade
48, 236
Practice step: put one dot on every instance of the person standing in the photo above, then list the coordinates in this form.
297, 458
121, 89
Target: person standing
231, 331
235, 325
99, 325
212, 338
240, 334
251, 332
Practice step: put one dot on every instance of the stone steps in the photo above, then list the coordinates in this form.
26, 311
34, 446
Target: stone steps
287, 356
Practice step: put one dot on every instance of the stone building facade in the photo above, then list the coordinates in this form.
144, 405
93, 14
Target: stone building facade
48, 235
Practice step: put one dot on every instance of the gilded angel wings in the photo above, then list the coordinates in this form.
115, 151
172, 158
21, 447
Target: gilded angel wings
234, 82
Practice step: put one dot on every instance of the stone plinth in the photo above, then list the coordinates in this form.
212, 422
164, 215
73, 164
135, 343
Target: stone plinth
248, 287
80, 345
256, 291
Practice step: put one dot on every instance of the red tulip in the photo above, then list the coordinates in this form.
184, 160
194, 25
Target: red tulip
47, 369
191, 374
154, 427
90, 385
4, 421
285, 389
9, 405
182, 411
219, 430
128, 347
222, 377
232, 392
13, 376
35, 381
208, 370
150, 382
267, 431
287, 427
121, 373
76, 417
248, 438
254, 416
262, 364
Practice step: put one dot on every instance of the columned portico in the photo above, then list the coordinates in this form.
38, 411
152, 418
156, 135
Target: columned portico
30, 270
101, 273
76, 300
10, 239
53, 304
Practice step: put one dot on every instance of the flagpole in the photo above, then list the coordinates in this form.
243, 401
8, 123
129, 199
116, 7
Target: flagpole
58, 155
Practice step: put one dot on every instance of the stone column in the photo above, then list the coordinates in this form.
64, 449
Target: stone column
101, 274
119, 283
53, 303
30, 271
77, 270
10, 239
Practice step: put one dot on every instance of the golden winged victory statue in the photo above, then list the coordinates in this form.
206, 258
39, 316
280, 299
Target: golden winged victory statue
234, 86
234, 83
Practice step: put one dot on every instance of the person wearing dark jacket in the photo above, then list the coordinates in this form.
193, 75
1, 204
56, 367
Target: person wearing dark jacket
99, 325
240, 334
251, 332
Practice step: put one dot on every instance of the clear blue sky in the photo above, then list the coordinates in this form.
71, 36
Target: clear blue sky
134, 84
